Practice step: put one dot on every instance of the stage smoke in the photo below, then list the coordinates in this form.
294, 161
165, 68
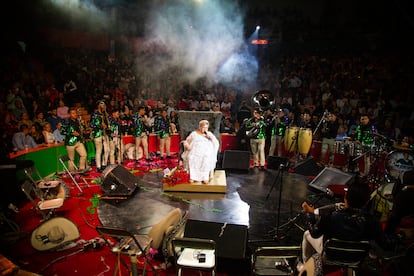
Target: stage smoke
203, 37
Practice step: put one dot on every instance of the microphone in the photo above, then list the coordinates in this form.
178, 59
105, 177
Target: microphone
206, 135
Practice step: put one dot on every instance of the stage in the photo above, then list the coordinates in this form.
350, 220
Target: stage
243, 203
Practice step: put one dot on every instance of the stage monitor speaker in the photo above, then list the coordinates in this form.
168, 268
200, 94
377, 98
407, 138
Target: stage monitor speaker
330, 176
236, 159
118, 181
231, 239
307, 167
275, 162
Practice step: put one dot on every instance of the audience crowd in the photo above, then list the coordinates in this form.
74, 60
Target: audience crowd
347, 85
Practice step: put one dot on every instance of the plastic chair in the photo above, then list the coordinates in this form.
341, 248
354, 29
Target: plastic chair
43, 201
346, 254
129, 244
195, 254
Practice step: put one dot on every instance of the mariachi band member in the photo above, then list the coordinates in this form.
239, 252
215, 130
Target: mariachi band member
257, 133
139, 130
278, 127
100, 129
114, 138
74, 140
364, 135
162, 130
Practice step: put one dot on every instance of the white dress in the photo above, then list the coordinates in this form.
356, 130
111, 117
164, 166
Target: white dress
202, 157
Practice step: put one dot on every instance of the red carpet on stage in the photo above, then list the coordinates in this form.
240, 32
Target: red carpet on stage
88, 255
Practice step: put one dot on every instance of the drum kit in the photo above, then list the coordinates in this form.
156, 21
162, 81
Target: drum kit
397, 160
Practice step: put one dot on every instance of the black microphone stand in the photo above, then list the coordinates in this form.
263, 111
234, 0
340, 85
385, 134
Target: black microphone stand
279, 178
323, 119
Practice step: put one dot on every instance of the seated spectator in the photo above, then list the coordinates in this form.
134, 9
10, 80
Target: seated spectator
62, 110
341, 135
226, 126
22, 140
25, 120
48, 136
53, 119
39, 120
9, 126
19, 108
59, 137
36, 134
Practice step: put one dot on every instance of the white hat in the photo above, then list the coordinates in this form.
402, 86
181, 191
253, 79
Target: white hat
54, 233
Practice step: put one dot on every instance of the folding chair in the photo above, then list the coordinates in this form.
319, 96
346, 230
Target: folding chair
194, 253
34, 175
65, 158
129, 244
348, 255
43, 201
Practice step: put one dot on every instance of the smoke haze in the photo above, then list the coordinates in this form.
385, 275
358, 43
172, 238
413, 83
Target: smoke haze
205, 38
181, 39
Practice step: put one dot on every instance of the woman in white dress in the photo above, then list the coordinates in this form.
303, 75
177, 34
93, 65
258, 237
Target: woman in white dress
202, 148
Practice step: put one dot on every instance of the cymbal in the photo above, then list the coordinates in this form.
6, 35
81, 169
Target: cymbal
401, 147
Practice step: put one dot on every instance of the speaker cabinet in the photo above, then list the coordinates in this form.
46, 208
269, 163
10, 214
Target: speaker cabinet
236, 159
330, 176
118, 181
307, 167
275, 162
231, 239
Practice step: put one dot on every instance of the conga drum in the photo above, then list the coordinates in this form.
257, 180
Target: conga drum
304, 140
290, 138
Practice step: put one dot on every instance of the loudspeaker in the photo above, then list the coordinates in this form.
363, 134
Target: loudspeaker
118, 181
231, 239
330, 176
307, 167
236, 159
275, 162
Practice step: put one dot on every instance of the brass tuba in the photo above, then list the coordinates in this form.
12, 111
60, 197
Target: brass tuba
263, 99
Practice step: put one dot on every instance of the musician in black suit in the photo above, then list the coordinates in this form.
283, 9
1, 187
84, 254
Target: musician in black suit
349, 220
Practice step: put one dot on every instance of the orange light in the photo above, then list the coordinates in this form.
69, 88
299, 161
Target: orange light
260, 41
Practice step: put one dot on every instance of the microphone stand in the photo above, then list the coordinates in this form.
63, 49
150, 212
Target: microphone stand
292, 220
320, 122
283, 166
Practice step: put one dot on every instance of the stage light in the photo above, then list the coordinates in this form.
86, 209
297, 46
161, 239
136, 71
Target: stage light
260, 42
257, 27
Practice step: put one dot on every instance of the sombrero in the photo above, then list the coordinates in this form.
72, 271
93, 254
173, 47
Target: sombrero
54, 233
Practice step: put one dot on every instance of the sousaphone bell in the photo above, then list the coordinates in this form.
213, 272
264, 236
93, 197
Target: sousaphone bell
263, 99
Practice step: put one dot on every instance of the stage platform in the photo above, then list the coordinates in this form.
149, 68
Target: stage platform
216, 185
